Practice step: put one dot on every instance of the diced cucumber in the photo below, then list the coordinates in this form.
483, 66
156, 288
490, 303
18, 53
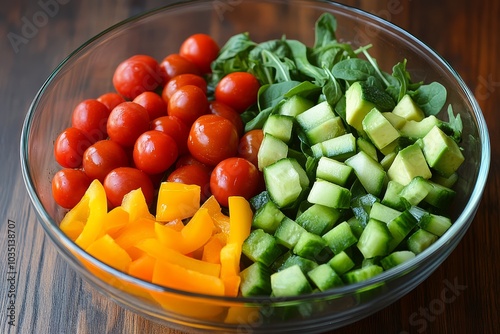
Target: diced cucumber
374, 240
391, 196
290, 282
271, 150
396, 258
448, 182
436, 224
295, 105
369, 172
304, 264
309, 245
362, 274
408, 164
383, 212
261, 247
268, 217
285, 180
387, 160
288, 233
340, 237
334, 171
341, 263
408, 109
356, 226
255, 280
420, 240
441, 152
415, 191
329, 194
279, 126
259, 200
338, 148
317, 115
379, 129
318, 219
439, 196
400, 227
324, 277
329, 129
367, 147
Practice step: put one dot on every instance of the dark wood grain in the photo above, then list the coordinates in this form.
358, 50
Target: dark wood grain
51, 298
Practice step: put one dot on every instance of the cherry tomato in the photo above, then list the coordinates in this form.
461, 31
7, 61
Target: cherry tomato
111, 100
175, 128
127, 122
238, 90
193, 174
188, 103
221, 109
182, 80
188, 159
212, 138
201, 49
68, 187
154, 152
137, 74
249, 145
153, 103
91, 116
234, 177
69, 147
102, 157
122, 180
175, 64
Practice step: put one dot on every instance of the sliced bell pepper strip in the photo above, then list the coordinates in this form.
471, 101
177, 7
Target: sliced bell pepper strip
177, 201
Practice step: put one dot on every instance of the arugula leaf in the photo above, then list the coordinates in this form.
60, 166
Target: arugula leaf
282, 67
299, 52
270, 95
325, 28
305, 89
430, 98
332, 89
353, 69
455, 123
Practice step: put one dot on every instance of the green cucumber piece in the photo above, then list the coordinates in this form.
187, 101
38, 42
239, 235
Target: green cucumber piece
362, 274
415, 191
396, 258
420, 240
436, 224
370, 173
271, 150
304, 264
334, 171
255, 280
329, 194
309, 245
341, 263
318, 219
338, 148
400, 227
324, 277
374, 240
288, 232
295, 105
290, 282
379, 129
285, 180
267, 217
383, 212
279, 126
261, 247
340, 237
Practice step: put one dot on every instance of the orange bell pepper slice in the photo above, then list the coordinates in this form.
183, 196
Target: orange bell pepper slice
142, 267
221, 221
108, 251
177, 201
132, 233
135, 204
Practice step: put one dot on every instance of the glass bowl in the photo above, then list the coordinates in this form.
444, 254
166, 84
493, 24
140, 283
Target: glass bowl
87, 73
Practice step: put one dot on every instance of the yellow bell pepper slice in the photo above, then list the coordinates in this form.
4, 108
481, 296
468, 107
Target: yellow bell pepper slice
240, 219
156, 249
74, 221
177, 201
190, 238
114, 221
142, 267
98, 208
221, 221
211, 250
108, 251
142, 228
135, 204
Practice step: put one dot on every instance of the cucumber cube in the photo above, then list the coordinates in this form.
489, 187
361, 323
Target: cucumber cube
436, 224
285, 181
396, 258
318, 219
290, 282
295, 106
340, 238
255, 280
324, 277
362, 274
333, 171
367, 147
288, 232
329, 129
341, 263
295, 260
330, 195
370, 173
383, 213
268, 217
391, 196
261, 247
420, 241
279, 126
338, 148
374, 240
400, 227
415, 191
271, 150
309, 245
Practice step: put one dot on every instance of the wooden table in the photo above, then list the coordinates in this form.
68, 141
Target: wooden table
51, 298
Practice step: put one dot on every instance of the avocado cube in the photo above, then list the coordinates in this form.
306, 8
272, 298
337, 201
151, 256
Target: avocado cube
442, 152
408, 109
409, 163
379, 129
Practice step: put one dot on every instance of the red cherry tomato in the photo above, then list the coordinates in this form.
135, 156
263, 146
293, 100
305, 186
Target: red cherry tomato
68, 187
127, 122
154, 152
122, 180
175, 128
153, 103
249, 145
193, 174
221, 109
188, 159
137, 74
238, 90
175, 64
234, 177
102, 157
69, 147
188, 103
111, 100
182, 80
91, 116
212, 138
201, 49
